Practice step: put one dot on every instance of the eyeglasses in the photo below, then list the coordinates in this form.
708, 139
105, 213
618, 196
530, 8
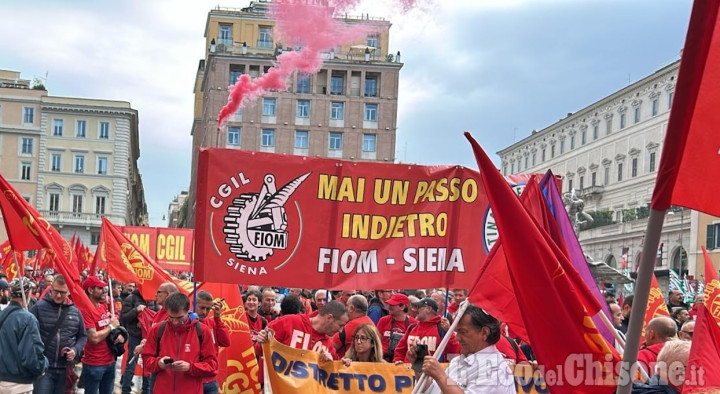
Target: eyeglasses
59, 292
360, 338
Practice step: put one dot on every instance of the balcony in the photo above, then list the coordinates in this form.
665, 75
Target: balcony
75, 218
591, 191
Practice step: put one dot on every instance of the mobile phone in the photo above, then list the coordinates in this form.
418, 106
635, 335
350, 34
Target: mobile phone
422, 351
168, 361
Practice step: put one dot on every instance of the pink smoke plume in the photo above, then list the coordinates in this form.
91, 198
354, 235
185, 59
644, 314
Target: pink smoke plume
310, 26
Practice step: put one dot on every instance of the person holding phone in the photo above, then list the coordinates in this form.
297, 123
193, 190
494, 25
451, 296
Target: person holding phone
181, 352
205, 304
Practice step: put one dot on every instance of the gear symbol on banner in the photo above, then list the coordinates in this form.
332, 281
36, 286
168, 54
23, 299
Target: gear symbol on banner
236, 229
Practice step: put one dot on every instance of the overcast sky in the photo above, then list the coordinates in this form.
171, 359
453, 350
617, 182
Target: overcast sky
499, 68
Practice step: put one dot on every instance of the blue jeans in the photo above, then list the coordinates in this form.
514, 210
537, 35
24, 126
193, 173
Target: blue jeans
53, 382
127, 377
99, 378
210, 387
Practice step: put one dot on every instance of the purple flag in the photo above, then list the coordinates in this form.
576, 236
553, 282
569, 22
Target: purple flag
577, 257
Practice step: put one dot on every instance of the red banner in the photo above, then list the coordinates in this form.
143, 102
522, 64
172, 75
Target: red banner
172, 248
285, 220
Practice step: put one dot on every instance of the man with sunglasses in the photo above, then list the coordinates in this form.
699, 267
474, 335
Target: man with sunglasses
62, 331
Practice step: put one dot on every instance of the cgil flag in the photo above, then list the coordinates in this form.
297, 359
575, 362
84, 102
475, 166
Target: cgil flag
692, 142
712, 288
537, 267
655, 306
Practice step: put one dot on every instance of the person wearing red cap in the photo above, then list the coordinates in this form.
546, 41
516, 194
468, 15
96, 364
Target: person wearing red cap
392, 327
98, 361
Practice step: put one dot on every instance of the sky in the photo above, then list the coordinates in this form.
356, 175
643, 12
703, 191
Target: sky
498, 68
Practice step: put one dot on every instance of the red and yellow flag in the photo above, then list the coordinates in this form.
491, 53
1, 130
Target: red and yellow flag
238, 371
28, 230
655, 306
128, 263
9, 267
712, 288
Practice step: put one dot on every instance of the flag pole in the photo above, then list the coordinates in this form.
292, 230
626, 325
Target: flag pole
21, 275
642, 293
443, 344
112, 302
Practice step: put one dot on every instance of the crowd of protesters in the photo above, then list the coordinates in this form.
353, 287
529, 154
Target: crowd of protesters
385, 326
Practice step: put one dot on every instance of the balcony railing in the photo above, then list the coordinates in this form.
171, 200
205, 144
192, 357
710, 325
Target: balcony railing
592, 190
76, 218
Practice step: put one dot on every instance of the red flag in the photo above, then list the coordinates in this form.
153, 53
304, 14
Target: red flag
128, 263
28, 230
712, 288
691, 143
9, 267
655, 306
702, 372
545, 291
238, 371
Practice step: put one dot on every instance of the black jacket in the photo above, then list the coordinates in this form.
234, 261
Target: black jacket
71, 333
21, 349
129, 313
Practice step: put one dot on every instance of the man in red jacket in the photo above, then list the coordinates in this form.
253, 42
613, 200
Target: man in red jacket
658, 331
393, 326
428, 331
203, 307
310, 332
186, 353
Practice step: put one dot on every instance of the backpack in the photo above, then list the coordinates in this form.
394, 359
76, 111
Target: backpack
161, 330
395, 338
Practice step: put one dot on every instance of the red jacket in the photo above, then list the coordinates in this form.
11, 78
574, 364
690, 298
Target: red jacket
297, 331
181, 343
425, 332
647, 357
221, 336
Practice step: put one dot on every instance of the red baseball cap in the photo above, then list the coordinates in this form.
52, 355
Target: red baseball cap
398, 299
93, 281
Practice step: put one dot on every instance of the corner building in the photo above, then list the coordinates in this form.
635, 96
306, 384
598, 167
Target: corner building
347, 110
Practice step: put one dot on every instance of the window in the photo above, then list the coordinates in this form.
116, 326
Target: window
25, 171
370, 87
596, 132
572, 142
582, 182
369, 142
622, 121
235, 73
620, 171
269, 106
570, 189
534, 156
505, 169
336, 84
606, 177
79, 164
303, 109
636, 117
512, 167
335, 142
552, 151
104, 130
336, 110
225, 35
28, 114
655, 106
102, 165
670, 99
267, 138
80, 127
233, 136
54, 202
526, 162
593, 178
633, 167
58, 127
371, 112
265, 37
652, 161
543, 155
372, 40
301, 139
77, 203
562, 146
100, 205
713, 236
27, 146
56, 162
608, 126
303, 84
94, 238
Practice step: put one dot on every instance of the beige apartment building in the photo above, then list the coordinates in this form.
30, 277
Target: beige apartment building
82, 157
347, 110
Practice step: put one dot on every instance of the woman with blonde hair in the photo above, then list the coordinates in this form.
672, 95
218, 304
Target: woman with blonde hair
367, 346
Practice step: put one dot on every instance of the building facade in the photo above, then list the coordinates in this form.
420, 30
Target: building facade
347, 110
83, 160
175, 209
608, 155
